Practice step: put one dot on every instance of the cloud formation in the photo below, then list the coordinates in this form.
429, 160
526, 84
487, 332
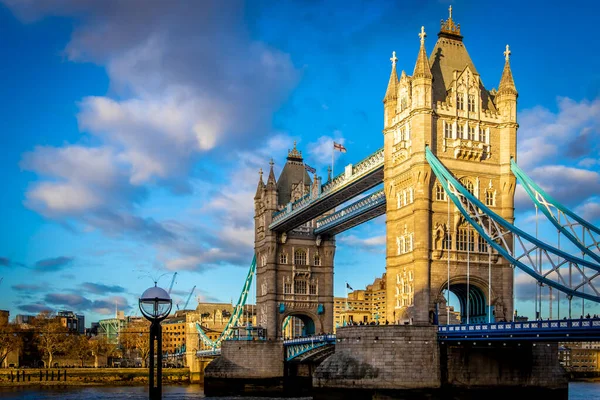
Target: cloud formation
98, 288
53, 264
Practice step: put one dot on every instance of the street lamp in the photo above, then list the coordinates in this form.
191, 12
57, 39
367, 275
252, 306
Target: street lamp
155, 305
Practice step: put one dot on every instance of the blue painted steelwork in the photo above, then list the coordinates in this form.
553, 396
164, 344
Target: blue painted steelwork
238, 310
501, 233
550, 206
297, 347
209, 353
532, 331
353, 211
370, 169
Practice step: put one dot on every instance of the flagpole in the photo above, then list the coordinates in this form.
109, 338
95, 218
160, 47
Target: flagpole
332, 158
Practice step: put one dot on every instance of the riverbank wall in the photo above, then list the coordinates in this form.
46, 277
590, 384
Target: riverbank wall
88, 376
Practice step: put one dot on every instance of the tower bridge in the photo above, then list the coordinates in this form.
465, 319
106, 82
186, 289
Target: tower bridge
449, 170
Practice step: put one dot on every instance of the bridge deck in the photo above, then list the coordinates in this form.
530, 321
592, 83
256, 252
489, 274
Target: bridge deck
576, 330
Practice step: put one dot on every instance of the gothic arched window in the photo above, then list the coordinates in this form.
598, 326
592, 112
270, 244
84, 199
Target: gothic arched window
300, 257
460, 101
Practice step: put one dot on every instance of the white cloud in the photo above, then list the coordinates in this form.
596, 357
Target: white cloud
322, 149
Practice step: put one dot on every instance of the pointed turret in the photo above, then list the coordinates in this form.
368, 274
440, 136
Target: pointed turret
392, 89
422, 69
261, 186
271, 182
507, 83
391, 95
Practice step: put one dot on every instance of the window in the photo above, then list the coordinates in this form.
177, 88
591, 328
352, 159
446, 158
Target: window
312, 288
489, 198
287, 288
440, 194
403, 103
399, 199
283, 258
471, 133
410, 194
263, 260
482, 245
300, 257
471, 103
461, 239
409, 243
402, 134
468, 185
483, 135
447, 130
460, 101
461, 132
299, 287
447, 241
317, 260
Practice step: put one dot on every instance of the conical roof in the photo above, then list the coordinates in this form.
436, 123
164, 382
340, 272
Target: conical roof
392, 89
507, 83
422, 69
260, 187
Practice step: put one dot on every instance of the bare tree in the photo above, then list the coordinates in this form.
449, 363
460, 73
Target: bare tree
50, 336
137, 337
9, 340
80, 347
99, 345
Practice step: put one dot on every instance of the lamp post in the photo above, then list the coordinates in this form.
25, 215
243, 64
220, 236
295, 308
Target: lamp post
155, 305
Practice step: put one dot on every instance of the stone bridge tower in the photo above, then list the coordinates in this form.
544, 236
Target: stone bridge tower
473, 131
294, 270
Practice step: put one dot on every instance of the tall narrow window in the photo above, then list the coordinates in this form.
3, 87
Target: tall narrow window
440, 194
399, 199
317, 260
489, 198
300, 257
447, 130
409, 243
283, 258
461, 132
471, 133
447, 242
403, 103
471, 235
482, 135
468, 185
460, 101
461, 239
471, 103
482, 245
411, 196
287, 288
312, 288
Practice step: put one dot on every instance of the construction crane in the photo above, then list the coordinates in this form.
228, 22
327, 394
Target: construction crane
172, 282
189, 297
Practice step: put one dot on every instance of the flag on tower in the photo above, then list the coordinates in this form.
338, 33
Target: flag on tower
310, 169
340, 147
348, 286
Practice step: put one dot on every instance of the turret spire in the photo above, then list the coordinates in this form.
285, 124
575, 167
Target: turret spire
392, 89
271, 182
507, 83
422, 69
261, 185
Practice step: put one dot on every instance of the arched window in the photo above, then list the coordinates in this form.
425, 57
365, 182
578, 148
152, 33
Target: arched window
471, 103
468, 185
460, 101
300, 257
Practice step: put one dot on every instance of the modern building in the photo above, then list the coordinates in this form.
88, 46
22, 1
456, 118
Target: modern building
69, 320
362, 306
24, 319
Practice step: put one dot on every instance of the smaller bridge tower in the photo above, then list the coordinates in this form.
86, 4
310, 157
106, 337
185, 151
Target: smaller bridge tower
294, 270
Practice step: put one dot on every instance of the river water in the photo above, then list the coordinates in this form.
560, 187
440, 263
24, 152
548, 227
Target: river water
577, 391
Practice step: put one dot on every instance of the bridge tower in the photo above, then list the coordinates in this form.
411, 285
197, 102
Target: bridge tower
294, 270
473, 131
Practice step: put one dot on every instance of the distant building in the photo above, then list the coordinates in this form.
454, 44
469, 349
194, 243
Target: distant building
81, 324
24, 319
69, 320
4, 317
362, 306
111, 327
580, 356
93, 329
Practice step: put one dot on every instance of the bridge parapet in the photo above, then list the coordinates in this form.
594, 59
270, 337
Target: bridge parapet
299, 346
352, 174
548, 331
359, 207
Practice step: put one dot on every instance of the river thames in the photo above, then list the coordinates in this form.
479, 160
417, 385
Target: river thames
577, 391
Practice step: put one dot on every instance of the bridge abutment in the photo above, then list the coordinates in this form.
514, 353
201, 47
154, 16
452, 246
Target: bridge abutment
246, 367
405, 361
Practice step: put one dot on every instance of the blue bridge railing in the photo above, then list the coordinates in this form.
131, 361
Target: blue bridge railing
299, 346
563, 330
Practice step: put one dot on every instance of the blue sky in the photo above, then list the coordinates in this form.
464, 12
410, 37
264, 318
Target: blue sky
132, 134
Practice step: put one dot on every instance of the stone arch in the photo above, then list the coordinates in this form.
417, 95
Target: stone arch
477, 292
311, 324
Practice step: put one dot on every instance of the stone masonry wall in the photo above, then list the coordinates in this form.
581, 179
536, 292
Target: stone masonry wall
382, 357
247, 359
502, 365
